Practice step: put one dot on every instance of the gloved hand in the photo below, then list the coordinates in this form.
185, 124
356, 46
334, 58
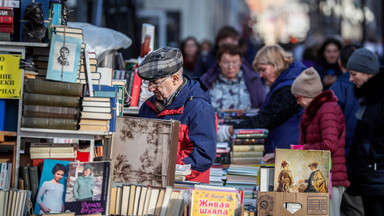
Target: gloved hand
223, 134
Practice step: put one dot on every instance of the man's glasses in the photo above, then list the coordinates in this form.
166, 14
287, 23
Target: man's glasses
154, 84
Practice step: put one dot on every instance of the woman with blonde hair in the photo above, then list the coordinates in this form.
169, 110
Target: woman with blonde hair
280, 113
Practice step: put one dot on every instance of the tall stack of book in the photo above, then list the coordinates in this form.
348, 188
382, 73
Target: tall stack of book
95, 76
6, 23
243, 177
96, 114
40, 60
248, 146
51, 150
51, 105
233, 116
217, 176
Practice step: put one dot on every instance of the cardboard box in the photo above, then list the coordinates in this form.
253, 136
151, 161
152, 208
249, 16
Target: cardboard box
278, 203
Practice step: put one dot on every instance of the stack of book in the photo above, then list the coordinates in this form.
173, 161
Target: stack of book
5, 175
51, 150
6, 23
96, 114
248, 146
217, 176
133, 199
40, 60
95, 76
182, 171
14, 202
52, 105
223, 150
243, 177
30, 178
234, 116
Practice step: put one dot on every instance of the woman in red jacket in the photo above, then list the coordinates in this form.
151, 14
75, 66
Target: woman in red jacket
322, 127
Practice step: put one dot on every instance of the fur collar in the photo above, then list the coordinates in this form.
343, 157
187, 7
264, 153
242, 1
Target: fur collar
324, 97
372, 91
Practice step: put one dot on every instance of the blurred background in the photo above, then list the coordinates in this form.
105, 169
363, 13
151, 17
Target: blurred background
290, 23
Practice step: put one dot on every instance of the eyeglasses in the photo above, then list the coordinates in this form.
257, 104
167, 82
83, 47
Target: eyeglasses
154, 84
297, 97
228, 64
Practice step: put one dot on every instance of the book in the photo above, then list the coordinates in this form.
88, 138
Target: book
112, 203
6, 19
50, 123
137, 199
125, 199
94, 76
244, 148
251, 131
118, 201
152, 201
120, 85
132, 196
160, 200
147, 201
51, 100
64, 58
166, 200
93, 122
246, 160
25, 175
51, 112
96, 103
6, 11
94, 115
135, 93
266, 178
100, 99
248, 141
106, 76
245, 136
97, 109
92, 61
101, 128
155, 167
53, 88
302, 170
96, 200
34, 177
143, 197
211, 202
53, 170
175, 203
3, 175
62, 28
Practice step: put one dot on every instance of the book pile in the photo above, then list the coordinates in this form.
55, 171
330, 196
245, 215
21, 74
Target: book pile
234, 116
134, 199
95, 75
96, 114
248, 146
6, 23
243, 177
5, 175
52, 150
14, 202
182, 171
217, 176
52, 105
40, 60
223, 153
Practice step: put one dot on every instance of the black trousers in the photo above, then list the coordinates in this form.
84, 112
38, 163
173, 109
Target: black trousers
373, 206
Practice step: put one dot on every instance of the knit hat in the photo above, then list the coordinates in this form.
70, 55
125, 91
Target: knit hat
160, 63
364, 61
307, 84
88, 167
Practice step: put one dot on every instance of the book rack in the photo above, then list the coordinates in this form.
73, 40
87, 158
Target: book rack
4, 141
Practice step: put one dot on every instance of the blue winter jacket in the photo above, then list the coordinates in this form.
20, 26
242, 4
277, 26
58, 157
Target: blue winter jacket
344, 90
197, 135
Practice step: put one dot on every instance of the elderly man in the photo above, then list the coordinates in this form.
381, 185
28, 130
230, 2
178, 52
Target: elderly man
184, 99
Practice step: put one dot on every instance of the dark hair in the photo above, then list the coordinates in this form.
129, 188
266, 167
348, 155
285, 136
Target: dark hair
64, 48
225, 32
230, 49
184, 42
328, 41
346, 52
58, 167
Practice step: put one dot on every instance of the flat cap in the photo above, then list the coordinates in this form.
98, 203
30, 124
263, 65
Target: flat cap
160, 63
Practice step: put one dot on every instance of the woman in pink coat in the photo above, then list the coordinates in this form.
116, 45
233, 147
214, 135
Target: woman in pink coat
322, 127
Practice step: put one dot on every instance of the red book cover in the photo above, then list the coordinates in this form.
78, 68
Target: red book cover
40, 161
6, 30
6, 19
135, 95
252, 131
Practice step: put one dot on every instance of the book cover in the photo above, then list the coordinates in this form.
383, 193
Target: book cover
10, 76
53, 88
88, 187
51, 195
302, 170
51, 112
64, 58
51, 100
135, 93
25, 176
50, 123
211, 202
153, 161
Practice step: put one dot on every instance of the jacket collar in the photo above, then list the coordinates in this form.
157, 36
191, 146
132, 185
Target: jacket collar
324, 97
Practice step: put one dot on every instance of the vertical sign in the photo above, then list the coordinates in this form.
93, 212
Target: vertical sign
10, 76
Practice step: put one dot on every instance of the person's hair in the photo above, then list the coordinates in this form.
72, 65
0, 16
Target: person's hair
226, 32
230, 49
30, 9
58, 167
184, 42
346, 52
328, 41
273, 55
64, 48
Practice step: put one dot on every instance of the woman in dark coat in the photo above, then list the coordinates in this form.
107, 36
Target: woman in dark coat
366, 158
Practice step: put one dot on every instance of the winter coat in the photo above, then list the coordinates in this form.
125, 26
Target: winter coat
280, 113
366, 158
83, 187
197, 135
252, 81
347, 101
324, 69
322, 127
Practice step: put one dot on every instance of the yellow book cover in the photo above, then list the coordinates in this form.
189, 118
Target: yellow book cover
10, 76
211, 202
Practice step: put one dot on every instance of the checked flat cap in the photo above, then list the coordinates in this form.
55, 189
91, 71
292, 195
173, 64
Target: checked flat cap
160, 63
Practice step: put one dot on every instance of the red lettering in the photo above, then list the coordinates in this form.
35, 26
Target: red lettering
221, 205
220, 212
210, 204
216, 204
203, 211
225, 212
214, 211
226, 205
203, 203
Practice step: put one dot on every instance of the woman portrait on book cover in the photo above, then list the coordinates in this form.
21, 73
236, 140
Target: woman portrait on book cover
50, 196
84, 185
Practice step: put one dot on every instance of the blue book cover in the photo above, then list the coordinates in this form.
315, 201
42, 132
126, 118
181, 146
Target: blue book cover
51, 195
64, 58
2, 114
111, 93
56, 14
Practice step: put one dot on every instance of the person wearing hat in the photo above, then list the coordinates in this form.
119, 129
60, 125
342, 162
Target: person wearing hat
322, 127
84, 185
316, 180
366, 157
187, 100
285, 178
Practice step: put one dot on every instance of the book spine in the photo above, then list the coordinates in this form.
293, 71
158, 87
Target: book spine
51, 123
248, 141
51, 100
119, 100
9, 176
243, 136
25, 176
251, 131
112, 122
6, 12
242, 148
34, 182
53, 88
135, 94
51, 112
6, 19
3, 174
6, 29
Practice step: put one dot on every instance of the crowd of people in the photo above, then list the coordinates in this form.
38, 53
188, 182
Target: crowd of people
331, 99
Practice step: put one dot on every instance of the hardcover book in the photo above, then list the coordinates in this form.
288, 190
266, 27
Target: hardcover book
144, 151
88, 187
302, 170
211, 202
64, 58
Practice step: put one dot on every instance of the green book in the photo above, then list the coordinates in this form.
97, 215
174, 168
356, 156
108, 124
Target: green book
34, 182
53, 88
49, 123
51, 100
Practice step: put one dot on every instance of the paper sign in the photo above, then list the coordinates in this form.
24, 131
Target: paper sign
10, 76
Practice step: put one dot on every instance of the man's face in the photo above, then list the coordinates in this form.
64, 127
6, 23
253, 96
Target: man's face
162, 88
38, 17
64, 52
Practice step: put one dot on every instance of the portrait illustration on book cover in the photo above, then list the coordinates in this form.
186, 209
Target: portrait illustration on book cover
51, 196
302, 171
87, 187
144, 151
